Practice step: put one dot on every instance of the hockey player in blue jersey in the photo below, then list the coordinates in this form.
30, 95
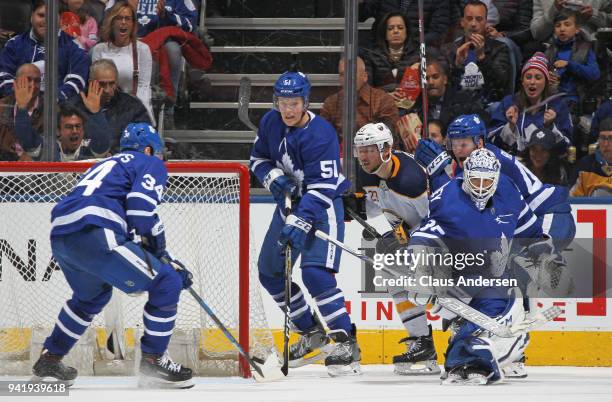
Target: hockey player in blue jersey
549, 203
480, 211
91, 240
297, 152
394, 184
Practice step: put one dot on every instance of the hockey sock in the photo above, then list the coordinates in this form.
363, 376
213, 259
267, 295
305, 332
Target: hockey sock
321, 284
71, 324
413, 317
158, 326
300, 313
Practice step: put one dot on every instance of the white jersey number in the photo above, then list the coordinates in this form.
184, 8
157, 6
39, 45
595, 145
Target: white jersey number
93, 180
329, 169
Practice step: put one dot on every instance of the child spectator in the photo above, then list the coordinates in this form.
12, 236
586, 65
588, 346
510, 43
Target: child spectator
88, 25
572, 56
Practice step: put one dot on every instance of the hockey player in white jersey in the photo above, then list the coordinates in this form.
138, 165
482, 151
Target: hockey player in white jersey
91, 239
297, 152
394, 184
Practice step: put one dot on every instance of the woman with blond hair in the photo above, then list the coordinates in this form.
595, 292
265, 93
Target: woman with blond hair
132, 58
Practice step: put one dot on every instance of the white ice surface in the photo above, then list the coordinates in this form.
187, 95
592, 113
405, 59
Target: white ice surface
377, 383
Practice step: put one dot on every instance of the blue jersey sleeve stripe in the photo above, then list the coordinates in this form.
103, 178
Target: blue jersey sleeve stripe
320, 196
145, 197
524, 211
424, 234
525, 226
540, 198
135, 212
91, 210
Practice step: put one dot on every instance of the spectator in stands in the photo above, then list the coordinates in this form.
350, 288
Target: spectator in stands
119, 43
595, 14
22, 112
514, 21
14, 19
543, 159
95, 8
437, 131
477, 62
153, 15
436, 16
594, 172
116, 108
29, 47
572, 55
88, 26
603, 112
518, 117
393, 53
73, 143
373, 105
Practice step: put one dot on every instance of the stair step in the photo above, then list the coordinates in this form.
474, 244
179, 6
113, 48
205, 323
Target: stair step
266, 80
234, 105
277, 49
271, 24
216, 136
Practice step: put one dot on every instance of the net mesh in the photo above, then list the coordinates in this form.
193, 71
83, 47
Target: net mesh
201, 215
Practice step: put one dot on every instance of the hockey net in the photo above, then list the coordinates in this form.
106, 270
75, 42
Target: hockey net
206, 213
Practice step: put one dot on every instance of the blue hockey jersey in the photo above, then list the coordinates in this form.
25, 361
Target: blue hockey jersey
454, 220
179, 13
542, 198
120, 193
309, 154
73, 63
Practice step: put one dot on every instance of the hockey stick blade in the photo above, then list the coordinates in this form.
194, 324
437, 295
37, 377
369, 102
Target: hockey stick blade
539, 319
371, 230
244, 98
265, 372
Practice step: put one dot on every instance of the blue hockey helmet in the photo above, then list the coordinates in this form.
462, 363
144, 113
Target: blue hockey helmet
466, 126
292, 85
138, 136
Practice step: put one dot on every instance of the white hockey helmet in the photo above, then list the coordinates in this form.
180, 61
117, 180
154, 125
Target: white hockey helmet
374, 134
481, 176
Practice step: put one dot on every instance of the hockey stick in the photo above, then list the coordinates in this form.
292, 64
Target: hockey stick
288, 269
244, 97
371, 230
544, 102
268, 366
424, 99
464, 310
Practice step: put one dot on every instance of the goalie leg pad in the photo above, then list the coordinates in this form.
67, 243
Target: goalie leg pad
322, 285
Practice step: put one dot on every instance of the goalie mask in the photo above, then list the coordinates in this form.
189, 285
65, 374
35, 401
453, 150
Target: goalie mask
481, 176
373, 134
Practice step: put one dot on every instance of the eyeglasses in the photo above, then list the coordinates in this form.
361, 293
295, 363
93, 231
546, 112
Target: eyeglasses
123, 18
107, 84
607, 138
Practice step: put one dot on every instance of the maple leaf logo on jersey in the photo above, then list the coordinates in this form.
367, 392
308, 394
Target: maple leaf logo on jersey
286, 164
499, 257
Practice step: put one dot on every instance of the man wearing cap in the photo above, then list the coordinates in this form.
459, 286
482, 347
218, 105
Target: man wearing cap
594, 171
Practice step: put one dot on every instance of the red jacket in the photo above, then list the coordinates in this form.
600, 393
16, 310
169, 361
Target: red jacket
192, 48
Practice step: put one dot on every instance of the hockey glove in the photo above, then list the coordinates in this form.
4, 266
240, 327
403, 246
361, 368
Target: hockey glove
355, 202
294, 233
431, 155
179, 267
279, 184
155, 240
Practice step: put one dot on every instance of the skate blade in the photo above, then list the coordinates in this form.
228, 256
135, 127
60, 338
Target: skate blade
352, 369
149, 382
51, 380
428, 367
271, 368
455, 380
314, 356
513, 372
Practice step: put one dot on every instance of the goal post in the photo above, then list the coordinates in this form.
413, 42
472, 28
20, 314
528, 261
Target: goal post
206, 213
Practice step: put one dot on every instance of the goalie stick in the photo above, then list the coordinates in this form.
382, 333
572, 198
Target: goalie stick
288, 269
244, 97
464, 310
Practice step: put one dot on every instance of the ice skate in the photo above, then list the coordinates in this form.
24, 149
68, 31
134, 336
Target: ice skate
312, 346
344, 358
159, 371
49, 368
516, 369
420, 359
467, 375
